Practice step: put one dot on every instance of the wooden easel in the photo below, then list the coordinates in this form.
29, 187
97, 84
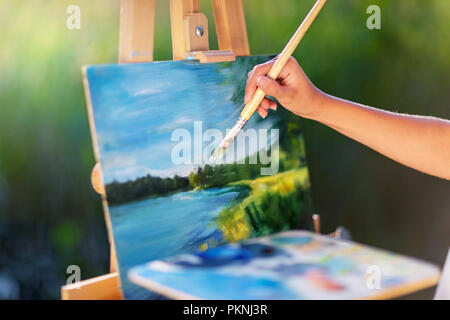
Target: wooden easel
190, 39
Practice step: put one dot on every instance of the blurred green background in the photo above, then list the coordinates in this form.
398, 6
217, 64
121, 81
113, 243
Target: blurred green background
51, 218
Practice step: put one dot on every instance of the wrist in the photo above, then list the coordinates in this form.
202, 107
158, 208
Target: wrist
323, 101
318, 103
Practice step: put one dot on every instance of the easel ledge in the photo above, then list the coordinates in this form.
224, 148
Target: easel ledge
136, 43
105, 287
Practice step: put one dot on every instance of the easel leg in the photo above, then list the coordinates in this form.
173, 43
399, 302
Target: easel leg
230, 25
137, 22
178, 10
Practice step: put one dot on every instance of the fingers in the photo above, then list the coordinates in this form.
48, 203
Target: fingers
271, 87
262, 112
253, 75
264, 106
291, 66
284, 89
270, 104
257, 78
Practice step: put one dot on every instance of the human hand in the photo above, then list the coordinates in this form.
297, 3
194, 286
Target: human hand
292, 89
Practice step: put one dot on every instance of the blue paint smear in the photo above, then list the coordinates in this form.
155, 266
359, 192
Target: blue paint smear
291, 240
166, 226
214, 285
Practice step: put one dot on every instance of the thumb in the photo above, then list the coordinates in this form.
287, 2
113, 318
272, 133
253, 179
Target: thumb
270, 87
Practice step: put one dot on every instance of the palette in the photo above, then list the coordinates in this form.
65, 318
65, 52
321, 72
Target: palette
288, 265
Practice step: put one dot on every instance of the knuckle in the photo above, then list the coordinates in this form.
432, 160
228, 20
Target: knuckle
256, 71
274, 89
292, 61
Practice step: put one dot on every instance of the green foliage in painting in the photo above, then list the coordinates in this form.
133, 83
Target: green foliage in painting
271, 204
275, 212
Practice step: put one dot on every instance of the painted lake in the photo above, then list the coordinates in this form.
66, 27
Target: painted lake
156, 228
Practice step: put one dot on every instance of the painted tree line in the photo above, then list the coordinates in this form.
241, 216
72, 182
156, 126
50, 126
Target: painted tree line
204, 177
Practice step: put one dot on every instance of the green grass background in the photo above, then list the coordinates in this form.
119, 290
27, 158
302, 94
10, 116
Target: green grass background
51, 218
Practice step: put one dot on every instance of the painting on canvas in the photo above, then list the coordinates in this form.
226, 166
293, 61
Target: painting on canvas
154, 127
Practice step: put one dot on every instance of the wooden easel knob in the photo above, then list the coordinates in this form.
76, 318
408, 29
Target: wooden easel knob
97, 179
196, 32
190, 38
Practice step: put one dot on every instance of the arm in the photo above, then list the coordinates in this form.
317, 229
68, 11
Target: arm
422, 143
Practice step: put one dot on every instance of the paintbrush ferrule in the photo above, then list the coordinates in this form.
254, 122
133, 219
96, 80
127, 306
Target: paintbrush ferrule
233, 132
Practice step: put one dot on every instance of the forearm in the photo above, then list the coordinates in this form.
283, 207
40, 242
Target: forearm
422, 143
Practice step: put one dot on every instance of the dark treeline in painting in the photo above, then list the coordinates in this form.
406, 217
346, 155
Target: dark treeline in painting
204, 177
220, 175
143, 187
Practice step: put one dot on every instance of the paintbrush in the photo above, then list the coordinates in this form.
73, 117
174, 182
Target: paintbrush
259, 95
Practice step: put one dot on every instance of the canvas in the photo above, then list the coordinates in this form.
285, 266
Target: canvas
288, 265
154, 126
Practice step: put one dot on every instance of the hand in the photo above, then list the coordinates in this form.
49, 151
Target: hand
292, 89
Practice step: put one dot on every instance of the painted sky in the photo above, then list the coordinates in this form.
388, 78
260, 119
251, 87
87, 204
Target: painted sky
138, 106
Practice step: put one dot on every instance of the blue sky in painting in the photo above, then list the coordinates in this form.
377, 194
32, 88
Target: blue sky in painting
138, 106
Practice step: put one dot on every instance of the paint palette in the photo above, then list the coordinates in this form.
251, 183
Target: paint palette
288, 265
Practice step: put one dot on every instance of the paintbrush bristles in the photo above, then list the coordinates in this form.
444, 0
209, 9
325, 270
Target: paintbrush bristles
216, 156
229, 138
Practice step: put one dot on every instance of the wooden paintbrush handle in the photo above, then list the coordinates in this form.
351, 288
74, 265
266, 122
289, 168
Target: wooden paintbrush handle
279, 64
